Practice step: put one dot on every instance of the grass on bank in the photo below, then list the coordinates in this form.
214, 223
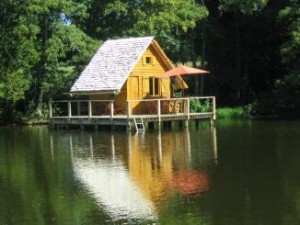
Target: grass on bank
231, 113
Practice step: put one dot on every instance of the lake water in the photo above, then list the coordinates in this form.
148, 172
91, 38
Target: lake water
238, 172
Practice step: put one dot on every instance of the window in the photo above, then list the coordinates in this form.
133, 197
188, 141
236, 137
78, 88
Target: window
154, 86
148, 60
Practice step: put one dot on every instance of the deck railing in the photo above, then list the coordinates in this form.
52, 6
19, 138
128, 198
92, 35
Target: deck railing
134, 108
164, 107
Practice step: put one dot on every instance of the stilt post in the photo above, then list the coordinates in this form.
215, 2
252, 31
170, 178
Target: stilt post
128, 111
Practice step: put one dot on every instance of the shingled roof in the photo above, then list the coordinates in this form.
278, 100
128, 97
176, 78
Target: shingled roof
111, 65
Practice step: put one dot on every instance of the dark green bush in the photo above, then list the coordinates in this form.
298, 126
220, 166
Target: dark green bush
283, 101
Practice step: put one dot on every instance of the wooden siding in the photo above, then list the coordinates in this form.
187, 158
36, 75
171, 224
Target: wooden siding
119, 102
121, 98
146, 70
151, 64
138, 83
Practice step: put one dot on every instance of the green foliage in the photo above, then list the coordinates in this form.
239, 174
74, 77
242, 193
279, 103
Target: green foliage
67, 53
41, 51
244, 6
168, 20
14, 85
17, 51
200, 105
155, 16
291, 48
247, 45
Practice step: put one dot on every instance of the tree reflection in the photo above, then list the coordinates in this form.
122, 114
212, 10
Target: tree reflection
52, 177
36, 180
174, 177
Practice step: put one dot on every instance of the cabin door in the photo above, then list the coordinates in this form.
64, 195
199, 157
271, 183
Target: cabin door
133, 92
133, 88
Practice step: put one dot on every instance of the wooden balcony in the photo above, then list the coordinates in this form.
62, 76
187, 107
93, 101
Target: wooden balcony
106, 112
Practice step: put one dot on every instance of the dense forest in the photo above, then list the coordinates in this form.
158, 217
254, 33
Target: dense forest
251, 47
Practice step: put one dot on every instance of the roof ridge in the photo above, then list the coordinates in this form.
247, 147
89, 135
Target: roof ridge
129, 38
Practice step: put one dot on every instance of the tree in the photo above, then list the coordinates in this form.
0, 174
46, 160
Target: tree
290, 49
55, 41
243, 39
241, 11
284, 97
172, 22
39, 40
17, 55
168, 20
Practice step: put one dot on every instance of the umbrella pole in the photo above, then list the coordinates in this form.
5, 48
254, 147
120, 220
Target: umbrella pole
182, 92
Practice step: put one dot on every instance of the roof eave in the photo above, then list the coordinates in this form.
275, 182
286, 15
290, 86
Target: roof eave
168, 63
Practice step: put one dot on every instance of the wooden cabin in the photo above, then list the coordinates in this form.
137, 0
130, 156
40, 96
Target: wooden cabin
122, 85
127, 69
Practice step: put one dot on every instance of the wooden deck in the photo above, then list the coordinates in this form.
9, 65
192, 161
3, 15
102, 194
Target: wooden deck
96, 113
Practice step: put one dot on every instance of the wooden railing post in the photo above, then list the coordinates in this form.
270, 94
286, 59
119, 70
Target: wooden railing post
111, 109
188, 108
214, 111
90, 108
159, 113
158, 110
50, 109
128, 110
69, 110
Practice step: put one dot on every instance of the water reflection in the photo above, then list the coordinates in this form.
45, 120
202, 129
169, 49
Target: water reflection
135, 181
111, 185
178, 177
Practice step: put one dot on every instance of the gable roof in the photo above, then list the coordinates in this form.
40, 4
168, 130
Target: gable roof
112, 64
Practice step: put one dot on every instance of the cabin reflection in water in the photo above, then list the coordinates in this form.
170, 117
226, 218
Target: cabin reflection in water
135, 180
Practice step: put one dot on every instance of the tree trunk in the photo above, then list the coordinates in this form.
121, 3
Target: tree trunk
203, 53
238, 55
245, 75
202, 63
39, 104
43, 62
194, 62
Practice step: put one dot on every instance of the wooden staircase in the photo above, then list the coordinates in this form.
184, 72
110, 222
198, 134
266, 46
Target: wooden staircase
139, 124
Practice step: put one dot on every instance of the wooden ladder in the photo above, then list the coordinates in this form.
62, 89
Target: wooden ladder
139, 124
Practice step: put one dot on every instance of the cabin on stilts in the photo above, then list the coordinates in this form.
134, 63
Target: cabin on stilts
122, 86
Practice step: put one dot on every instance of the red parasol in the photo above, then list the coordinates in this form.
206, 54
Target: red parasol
183, 70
